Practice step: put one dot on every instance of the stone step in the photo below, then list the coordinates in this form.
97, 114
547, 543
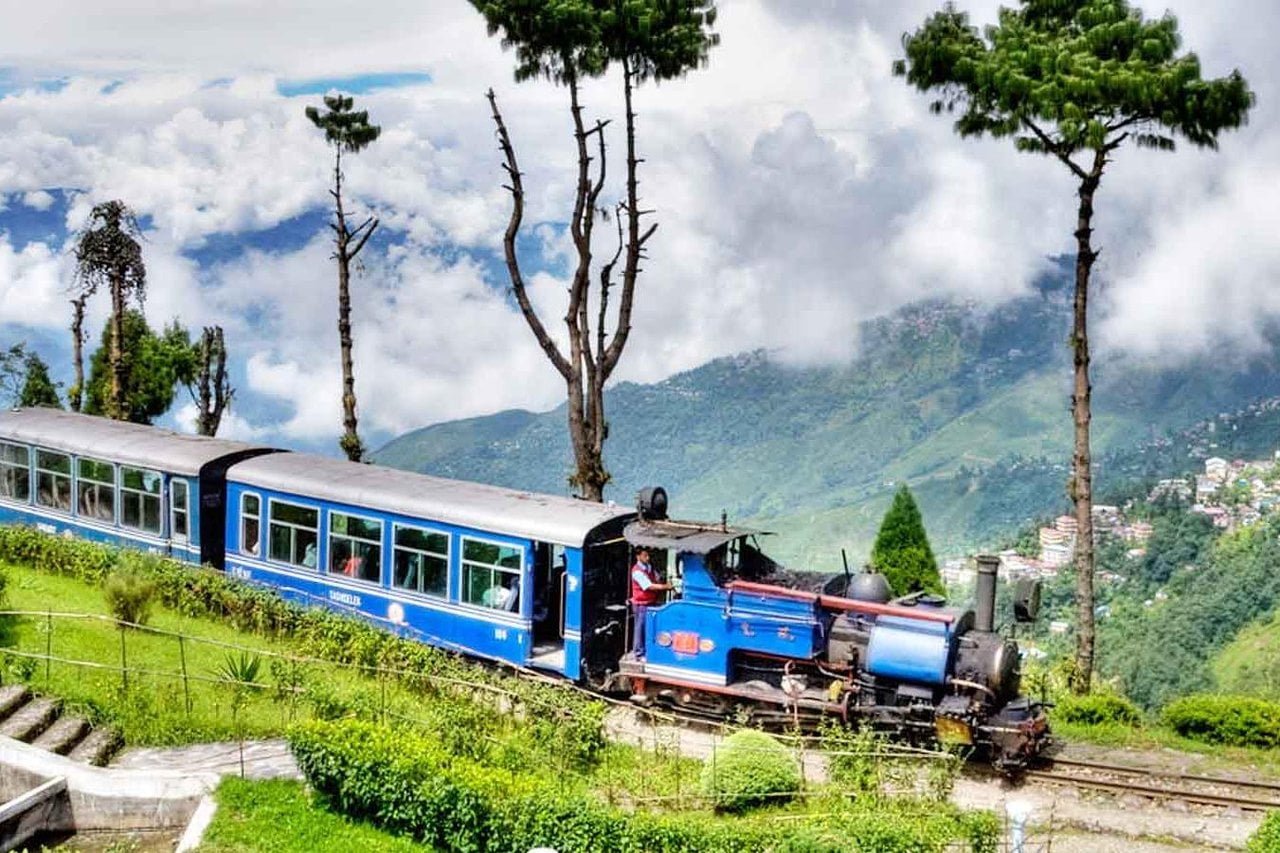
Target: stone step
31, 719
98, 747
13, 697
63, 735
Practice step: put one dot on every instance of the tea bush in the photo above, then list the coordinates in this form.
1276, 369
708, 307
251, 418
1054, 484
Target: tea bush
130, 592
751, 769
1230, 720
409, 784
1097, 709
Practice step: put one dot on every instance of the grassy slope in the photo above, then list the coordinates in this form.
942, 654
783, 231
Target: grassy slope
155, 699
279, 816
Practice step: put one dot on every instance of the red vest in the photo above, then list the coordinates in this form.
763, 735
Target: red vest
644, 596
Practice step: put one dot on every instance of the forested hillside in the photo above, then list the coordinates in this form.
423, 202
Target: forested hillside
969, 406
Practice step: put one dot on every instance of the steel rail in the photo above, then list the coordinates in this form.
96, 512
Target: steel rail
1153, 791
1181, 777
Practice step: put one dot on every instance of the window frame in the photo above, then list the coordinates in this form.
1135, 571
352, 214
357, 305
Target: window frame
463, 562
328, 527
447, 595
69, 477
174, 483
113, 485
257, 516
7, 466
142, 496
271, 503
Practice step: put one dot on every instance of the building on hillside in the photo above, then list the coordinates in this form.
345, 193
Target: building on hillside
1206, 487
957, 571
1175, 488
1139, 531
1059, 627
1067, 524
1053, 536
1216, 468
1106, 517
1057, 556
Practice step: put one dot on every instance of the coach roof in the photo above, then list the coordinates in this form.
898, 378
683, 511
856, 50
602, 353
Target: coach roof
546, 518
117, 441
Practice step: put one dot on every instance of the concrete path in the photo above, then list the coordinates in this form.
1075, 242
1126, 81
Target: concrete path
263, 759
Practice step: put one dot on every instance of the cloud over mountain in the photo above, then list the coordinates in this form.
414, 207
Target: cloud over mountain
800, 189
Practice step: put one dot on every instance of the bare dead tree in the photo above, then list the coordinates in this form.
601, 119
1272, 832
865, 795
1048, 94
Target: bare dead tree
75, 396
210, 387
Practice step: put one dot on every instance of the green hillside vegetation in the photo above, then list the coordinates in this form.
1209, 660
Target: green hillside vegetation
968, 406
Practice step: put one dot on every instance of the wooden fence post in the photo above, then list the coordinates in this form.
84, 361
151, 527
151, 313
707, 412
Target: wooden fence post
186, 685
48, 647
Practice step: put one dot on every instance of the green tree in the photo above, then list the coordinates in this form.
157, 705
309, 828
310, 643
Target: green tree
346, 129
38, 389
208, 384
1074, 80
568, 41
154, 365
108, 252
901, 551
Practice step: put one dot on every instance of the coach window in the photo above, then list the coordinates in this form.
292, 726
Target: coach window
140, 499
355, 547
96, 490
491, 574
53, 480
15, 472
421, 561
178, 509
293, 533
250, 524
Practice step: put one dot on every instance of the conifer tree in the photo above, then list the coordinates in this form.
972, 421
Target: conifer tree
901, 551
1074, 80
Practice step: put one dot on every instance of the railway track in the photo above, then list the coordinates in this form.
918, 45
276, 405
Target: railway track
1219, 791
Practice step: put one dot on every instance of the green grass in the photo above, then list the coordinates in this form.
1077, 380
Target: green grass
154, 709
1204, 757
279, 816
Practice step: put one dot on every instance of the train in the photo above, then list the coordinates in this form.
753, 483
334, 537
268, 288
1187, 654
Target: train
539, 581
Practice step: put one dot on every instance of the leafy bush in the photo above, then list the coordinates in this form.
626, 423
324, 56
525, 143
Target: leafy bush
1230, 720
751, 769
130, 592
1267, 837
407, 783
1097, 709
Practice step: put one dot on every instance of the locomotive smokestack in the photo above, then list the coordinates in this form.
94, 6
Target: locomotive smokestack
986, 609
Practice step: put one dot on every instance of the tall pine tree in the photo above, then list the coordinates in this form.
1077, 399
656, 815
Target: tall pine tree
902, 553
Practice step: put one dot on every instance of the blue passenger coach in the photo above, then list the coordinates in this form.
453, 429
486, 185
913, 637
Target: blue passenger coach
477, 568
121, 483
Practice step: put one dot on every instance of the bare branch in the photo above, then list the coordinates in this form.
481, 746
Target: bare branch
1055, 148
364, 239
516, 189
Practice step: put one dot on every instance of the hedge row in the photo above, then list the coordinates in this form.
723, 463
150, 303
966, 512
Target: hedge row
573, 720
406, 784
1230, 720
1097, 709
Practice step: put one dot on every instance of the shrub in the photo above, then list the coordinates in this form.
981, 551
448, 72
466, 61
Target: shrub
1267, 837
130, 592
1097, 709
406, 782
751, 769
1230, 720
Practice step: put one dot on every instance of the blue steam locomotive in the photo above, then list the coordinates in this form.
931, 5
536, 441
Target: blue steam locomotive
535, 580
